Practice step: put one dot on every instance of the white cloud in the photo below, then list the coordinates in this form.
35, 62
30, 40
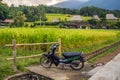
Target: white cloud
55, 2
83, 0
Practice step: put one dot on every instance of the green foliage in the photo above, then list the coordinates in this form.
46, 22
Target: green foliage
103, 54
90, 11
61, 25
19, 19
34, 13
42, 13
4, 13
92, 22
118, 25
113, 24
70, 38
6, 68
62, 17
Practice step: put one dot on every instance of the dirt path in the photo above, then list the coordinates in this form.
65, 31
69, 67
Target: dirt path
108, 56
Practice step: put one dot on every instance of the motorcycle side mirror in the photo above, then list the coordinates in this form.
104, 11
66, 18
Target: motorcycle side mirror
54, 46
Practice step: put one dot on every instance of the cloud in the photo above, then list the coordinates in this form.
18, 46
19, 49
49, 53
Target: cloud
53, 2
81, 0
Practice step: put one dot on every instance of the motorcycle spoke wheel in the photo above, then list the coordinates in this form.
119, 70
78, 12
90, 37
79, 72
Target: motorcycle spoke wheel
77, 65
45, 62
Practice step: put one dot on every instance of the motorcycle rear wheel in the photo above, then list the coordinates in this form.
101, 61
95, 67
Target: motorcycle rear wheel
77, 65
45, 62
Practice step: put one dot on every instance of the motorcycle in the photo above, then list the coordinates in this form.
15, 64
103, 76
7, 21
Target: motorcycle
74, 59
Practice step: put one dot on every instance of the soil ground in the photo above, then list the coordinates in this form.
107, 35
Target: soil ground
108, 56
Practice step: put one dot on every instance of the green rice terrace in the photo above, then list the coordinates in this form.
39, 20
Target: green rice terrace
72, 40
64, 17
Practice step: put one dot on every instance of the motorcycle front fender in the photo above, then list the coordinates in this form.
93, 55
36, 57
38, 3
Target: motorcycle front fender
82, 59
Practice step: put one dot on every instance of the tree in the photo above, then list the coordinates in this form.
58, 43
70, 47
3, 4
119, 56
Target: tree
103, 20
118, 25
19, 19
42, 13
4, 12
92, 22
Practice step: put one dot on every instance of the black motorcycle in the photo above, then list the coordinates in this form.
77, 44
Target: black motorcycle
74, 59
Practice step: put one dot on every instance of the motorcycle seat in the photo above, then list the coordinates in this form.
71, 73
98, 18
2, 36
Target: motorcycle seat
71, 54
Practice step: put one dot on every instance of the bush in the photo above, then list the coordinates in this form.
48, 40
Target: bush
48, 23
26, 25
32, 25
113, 25
61, 25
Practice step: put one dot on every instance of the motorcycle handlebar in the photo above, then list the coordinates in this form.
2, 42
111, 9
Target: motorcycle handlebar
54, 46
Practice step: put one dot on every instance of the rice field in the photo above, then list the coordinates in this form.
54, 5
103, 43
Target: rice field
72, 39
62, 17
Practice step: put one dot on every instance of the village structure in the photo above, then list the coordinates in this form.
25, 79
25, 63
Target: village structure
111, 17
5, 22
96, 17
75, 21
76, 18
55, 20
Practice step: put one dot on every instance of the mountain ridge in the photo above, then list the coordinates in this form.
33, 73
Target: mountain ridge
73, 4
111, 4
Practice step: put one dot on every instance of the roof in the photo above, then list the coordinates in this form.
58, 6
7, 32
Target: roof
76, 18
8, 21
96, 17
55, 20
111, 17
2, 26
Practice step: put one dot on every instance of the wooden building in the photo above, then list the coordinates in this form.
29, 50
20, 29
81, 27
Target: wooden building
111, 17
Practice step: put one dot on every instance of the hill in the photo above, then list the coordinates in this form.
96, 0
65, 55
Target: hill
77, 4
74, 4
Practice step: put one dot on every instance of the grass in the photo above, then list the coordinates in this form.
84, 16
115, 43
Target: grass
103, 54
62, 17
6, 66
72, 40
82, 40
86, 18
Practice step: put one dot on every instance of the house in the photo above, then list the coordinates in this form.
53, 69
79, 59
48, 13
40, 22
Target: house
76, 18
111, 17
5, 22
8, 21
96, 17
76, 24
55, 20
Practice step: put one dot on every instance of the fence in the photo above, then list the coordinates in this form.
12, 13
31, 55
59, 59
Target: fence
14, 45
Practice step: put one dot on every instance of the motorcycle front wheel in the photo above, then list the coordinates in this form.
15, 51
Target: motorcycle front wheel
77, 65
45, 62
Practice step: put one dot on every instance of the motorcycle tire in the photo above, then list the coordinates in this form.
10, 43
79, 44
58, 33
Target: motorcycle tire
77, 65
45, 62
